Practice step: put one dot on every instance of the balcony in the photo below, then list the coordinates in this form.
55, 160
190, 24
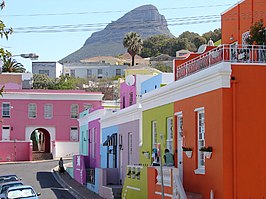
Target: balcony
223, 53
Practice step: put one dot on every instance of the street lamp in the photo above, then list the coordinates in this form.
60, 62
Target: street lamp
32, 56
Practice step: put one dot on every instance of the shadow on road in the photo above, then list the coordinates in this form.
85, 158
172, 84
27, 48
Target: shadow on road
47, 181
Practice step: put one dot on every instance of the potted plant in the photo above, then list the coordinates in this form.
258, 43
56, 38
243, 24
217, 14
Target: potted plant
207, 150
188, 151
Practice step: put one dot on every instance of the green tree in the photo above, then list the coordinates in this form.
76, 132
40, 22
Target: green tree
12, 66
133, 43
214, 35
4, 32
257, 34
198, 41
42, 81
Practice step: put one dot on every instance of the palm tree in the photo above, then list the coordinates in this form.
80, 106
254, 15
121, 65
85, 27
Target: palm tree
133, 43
12, 66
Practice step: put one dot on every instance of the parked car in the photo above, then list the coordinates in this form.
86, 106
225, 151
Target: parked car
23, 191
9, 178
4, 186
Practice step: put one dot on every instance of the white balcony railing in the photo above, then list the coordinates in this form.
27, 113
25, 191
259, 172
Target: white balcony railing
223, 53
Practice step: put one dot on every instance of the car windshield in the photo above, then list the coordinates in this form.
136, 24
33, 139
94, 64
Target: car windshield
21, 193
8, 179
5, 187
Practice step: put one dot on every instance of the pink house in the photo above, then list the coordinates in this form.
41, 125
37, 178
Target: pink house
42, 121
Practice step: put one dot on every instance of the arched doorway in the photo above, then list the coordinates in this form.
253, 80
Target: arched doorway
40, 140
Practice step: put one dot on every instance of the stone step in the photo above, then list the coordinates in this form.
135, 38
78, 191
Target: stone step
41, 156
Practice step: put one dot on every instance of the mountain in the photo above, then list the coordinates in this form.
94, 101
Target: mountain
145, 20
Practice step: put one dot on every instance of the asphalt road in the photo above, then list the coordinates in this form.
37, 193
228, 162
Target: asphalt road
38, 175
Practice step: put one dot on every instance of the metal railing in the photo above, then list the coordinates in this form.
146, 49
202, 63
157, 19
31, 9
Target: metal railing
224, 53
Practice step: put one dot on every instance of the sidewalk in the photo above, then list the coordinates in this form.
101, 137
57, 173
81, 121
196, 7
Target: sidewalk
76, 189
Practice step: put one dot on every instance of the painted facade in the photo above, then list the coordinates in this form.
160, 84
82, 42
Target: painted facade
156, 82
36, 116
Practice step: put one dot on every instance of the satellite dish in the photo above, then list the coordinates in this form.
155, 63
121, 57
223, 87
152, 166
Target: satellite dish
130, 80
202, 48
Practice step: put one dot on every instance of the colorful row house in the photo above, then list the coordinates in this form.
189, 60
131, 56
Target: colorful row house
211, 118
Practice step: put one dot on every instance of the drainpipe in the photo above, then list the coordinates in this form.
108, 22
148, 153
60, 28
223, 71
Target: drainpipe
233, 80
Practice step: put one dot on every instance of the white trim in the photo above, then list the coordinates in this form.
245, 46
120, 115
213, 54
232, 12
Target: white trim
200, 171
199, 109
133, 188
230, 8
207, 80
52, 96
128, 114
165, 194
180, 113
30, 129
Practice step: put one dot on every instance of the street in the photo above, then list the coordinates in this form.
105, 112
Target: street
38, 175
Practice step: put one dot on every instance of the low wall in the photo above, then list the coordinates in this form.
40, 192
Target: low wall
15, 151
64, 149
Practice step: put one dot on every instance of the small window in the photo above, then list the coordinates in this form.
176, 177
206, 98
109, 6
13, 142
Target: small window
130, 148
32, 110
130, 98
74, 134
89, 73
6, 109
48, 111
72, 73
169, 130
74, 111
118, 72
154, 133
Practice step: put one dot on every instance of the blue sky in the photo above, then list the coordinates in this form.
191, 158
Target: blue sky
32, 15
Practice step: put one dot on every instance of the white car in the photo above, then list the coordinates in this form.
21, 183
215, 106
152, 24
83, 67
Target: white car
23, 191
4, 186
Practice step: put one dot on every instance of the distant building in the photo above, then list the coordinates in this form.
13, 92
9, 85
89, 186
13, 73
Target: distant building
52, 69
93, 69
16, 80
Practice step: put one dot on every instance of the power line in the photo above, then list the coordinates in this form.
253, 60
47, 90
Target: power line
117, 11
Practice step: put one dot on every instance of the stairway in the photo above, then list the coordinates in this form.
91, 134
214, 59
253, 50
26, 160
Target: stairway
38, 155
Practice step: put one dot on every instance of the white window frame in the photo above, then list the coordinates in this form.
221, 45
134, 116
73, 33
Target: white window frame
154, 133
130, 148
169, 134
32, 110
6, 127
92, 142
74, 134
74, 111
6, 110
200, 140
48, 111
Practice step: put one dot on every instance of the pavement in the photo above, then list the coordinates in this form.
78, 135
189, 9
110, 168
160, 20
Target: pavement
78, 190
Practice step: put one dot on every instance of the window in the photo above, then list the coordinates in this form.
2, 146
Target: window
201, 138
5, 132
154, 133
100, 73
74, 111
130, 148
92, 142
72, 73
32, 111
74, 134
124, 102
130, 98
169, 130
44, 72
6, 109
48, 111
118, 72
89, 72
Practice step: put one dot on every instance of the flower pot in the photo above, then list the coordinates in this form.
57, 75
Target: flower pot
189, 154
208, 154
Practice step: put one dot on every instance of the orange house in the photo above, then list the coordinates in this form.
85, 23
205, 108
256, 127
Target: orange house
236, 21
220, 102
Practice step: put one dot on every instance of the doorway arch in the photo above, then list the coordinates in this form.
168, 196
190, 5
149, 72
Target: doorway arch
41, 140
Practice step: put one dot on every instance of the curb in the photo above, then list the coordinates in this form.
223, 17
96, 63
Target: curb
72, 191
